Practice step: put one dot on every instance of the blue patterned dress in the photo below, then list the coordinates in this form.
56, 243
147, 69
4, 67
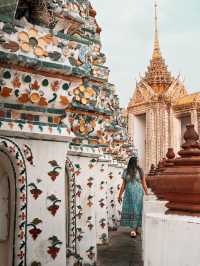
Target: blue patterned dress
132, 201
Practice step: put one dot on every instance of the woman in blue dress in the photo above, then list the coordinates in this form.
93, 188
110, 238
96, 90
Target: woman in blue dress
133, 186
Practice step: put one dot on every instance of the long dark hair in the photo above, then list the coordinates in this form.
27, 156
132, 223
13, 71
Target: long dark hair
132, 167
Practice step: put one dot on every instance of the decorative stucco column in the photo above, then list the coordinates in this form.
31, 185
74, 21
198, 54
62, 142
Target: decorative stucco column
164, 139
194, 119
174, 130
150, 139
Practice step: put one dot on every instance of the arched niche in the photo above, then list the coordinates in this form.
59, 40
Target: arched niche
13, 204
7, 207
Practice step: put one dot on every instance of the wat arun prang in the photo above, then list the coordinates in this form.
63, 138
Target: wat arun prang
63, 136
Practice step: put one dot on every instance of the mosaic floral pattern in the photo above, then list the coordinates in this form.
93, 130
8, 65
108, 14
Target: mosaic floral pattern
54, 173
28, 154
54, 248
38, 90
82, 124
53, 208
35, 231
35, 191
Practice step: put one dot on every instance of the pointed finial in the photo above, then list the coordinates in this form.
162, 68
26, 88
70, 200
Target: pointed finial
156, 16
156, 48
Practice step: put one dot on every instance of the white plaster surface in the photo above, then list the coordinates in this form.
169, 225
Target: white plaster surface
101, 172
139, 137
150, 205
114, 208
43, 152
171, 240
86, 166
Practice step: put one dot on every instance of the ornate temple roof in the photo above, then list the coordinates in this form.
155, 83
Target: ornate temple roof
188, 99
157, 75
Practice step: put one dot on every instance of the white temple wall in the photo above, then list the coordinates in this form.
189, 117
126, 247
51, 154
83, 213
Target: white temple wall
101, 192
118, 173
85, 208
140, 138
114, 183
111, 180
48, 173
42, 201
66, 198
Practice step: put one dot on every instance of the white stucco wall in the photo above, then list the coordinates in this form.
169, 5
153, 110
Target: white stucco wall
139, 137
37, 173
101, 192
41, 159
171, 240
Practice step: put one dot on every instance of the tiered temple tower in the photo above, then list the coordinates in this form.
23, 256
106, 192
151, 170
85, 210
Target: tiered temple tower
153, 123
63, 136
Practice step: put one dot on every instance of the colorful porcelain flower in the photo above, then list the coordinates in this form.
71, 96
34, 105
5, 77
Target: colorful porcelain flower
84, 95
31, 42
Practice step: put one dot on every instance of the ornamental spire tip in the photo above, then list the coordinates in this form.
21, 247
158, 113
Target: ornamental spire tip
156, 46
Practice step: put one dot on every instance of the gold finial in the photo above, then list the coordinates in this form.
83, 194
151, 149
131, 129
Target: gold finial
156, 48
156, 16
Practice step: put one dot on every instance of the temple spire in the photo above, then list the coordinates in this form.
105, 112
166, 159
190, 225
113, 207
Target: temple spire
156, 46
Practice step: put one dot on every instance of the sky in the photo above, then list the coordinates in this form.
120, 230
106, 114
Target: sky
127, 39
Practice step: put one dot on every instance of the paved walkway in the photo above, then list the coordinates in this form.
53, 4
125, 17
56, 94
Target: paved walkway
121, 251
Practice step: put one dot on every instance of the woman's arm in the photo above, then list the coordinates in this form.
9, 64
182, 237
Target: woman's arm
121, 191
144, 185
143, 180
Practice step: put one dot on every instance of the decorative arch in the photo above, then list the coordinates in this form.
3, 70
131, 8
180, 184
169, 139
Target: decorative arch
15, 161
71, 208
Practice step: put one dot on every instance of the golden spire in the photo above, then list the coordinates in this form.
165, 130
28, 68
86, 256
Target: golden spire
157, 75
156, 46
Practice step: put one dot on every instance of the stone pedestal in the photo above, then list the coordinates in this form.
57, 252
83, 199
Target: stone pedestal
171, 240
